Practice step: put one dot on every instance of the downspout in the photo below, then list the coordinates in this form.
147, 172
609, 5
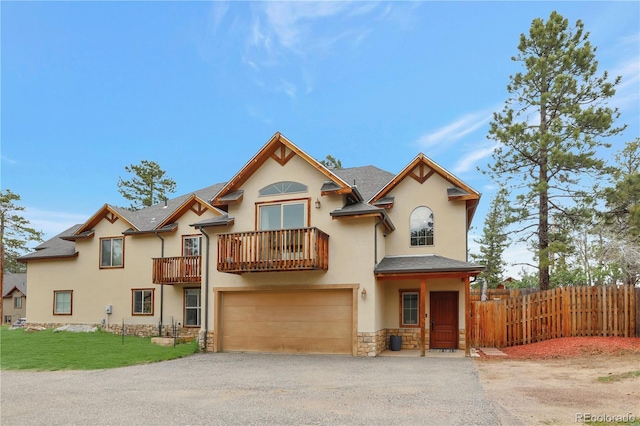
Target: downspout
161, 285
206, 290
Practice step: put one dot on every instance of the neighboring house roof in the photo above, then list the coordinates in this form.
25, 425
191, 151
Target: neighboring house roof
14, 282
429, 263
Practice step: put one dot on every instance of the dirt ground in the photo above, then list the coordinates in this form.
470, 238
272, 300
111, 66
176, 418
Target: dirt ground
566, 381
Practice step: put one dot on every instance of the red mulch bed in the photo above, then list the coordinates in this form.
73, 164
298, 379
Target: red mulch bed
571, 347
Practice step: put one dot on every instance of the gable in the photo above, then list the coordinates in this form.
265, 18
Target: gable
280, 150
421, 170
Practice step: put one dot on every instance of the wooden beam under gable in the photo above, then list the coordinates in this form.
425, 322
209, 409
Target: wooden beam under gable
421, 173
111, 217
282, 156
198, 208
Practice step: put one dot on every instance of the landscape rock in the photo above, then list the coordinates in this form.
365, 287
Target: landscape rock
77, 328
33, 329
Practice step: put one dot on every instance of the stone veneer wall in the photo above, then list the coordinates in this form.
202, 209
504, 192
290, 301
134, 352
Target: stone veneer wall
140, 330
373, 344
201, 343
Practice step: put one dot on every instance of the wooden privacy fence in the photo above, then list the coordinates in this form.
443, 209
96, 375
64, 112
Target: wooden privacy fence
560, 312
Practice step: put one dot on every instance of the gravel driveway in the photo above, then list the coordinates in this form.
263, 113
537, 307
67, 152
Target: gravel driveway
231, 388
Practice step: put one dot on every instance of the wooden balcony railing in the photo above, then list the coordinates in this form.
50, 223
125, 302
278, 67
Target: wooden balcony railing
280, 250
176, 270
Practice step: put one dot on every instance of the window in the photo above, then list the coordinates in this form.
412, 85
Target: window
282, 216
286, 187
62, 302
409, 308
7, 319
143, 302
191, 307
111, 250
191, 245
17, 302
421, 224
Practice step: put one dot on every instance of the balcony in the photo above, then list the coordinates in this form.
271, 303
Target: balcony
302, 249
177, 270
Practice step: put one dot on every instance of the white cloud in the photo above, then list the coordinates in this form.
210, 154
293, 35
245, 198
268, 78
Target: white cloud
455, 130
52, 223
469, 161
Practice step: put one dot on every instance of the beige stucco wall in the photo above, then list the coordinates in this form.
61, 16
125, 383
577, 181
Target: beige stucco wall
449, 218
391, 300
351, 247
94, 288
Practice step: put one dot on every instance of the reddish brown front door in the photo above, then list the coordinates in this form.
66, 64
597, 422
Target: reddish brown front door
443, 310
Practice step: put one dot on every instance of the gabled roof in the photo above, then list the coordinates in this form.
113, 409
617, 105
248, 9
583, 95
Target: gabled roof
281, 150
108, 212
421, 169
14, 282
54, 248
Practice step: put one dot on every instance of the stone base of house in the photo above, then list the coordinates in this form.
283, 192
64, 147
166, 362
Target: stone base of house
140, 330
373, 344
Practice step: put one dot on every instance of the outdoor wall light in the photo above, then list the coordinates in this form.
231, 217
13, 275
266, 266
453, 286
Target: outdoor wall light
318, 205
363, 293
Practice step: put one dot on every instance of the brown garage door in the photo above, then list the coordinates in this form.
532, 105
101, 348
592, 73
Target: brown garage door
307, 321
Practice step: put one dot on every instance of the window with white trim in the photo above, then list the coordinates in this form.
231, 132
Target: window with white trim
17, 302
410, 308
191, 245
285, 187
192, 307
421, 226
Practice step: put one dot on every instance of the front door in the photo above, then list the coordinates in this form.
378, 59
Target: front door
443, 309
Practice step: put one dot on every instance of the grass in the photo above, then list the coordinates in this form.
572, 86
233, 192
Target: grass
618, 377
48, 351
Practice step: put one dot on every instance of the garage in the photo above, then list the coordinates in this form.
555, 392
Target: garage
319, 321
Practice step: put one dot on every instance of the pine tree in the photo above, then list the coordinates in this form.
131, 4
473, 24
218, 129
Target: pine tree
149, 185
550, 129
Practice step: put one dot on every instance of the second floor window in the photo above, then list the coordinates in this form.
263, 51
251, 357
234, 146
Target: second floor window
111, 252
191, 245
282, 216
421, 225
17, 302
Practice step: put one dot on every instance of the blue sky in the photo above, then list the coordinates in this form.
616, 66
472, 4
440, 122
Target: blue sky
91, 87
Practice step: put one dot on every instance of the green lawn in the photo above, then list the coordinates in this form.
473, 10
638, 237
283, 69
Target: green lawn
49, 351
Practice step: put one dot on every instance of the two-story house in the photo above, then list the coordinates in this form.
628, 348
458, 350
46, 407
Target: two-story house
287, 256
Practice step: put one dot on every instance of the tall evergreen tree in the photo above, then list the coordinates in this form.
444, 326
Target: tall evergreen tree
148, 187
15, 234
493, 242
550, 128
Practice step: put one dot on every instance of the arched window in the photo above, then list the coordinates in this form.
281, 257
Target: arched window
285, 187
421, 225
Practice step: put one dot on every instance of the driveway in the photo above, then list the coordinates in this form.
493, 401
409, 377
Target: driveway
232, 388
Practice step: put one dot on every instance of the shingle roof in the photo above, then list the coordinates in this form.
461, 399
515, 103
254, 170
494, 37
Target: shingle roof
368, 179
12, 281
423, 264
54, 247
